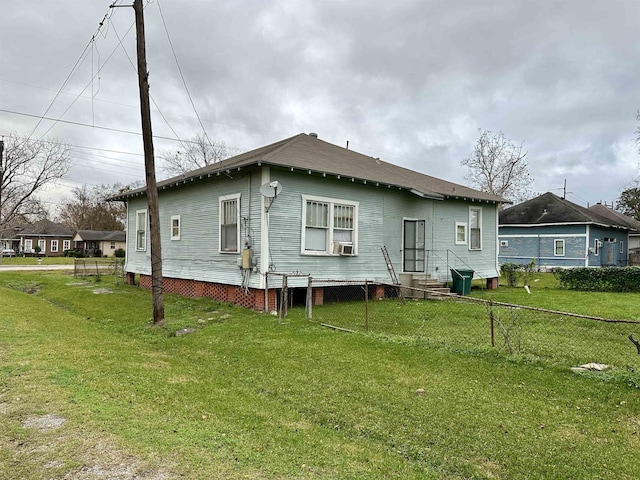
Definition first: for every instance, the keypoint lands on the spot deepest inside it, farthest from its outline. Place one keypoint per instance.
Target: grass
(34, 261)
(246, 396)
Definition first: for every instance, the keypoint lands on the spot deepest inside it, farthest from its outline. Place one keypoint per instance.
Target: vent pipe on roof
(313, 134)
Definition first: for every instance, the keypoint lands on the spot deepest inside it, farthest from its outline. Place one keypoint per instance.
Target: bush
(73, 254)
(119, 253)
(625, 279)
(511, 272)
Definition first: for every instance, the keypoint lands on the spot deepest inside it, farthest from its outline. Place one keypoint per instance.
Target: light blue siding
(381, 211)
(537, 243)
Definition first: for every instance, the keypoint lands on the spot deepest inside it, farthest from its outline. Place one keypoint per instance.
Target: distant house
(305, 205)
(554, 232)
(44, 238)
(97, 243)
(9, 239)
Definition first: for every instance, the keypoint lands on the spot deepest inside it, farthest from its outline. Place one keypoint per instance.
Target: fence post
(493, 341)
(366, 304)
(310, 298)
(284, 297)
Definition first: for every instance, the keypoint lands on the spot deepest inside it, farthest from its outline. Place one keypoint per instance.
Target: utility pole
(150, 169)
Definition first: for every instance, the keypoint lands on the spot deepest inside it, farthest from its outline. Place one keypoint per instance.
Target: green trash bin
(461, 281)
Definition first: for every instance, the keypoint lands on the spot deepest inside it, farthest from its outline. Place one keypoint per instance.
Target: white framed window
(42, 243)
(596, 246)
(54, 246)
(175, 227)
(66, 245)
(229, 216)
(461, 233)
(504, 243)
(558, 248)
(113, 245)
(28, 245)
(141, 230)
(475, 228)
(328, 223)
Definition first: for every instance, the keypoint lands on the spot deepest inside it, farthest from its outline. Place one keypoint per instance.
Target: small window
(54, 246)
(28, 245)
(175, 227)
(328, 224)
(504, 243)
(66, 244)
(475, 228)
(141, 230)
(43, 245)
(461, 233)
(113, 245)
(558, 248)
(229, 215)
(621, 247)
(596, 246)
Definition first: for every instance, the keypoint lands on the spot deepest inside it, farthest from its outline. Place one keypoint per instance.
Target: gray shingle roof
(45, 228)
(308, 153)
(548, 208)
(101, 235)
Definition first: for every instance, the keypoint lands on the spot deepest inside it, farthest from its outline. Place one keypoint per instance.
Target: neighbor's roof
(100, 236)
(610, 213)
(549, 209)
(310, 154)
(45, 228)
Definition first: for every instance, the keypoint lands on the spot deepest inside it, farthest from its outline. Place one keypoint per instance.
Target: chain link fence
(463, 323)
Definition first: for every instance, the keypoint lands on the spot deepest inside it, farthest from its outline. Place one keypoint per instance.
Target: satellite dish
(271, 189)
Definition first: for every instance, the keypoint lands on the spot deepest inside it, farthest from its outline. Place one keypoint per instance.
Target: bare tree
(26, 167)
(87, 209)
(193, 154)
(498, 166)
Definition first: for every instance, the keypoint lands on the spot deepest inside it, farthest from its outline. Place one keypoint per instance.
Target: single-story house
(306, 205)
(633, 243)
(97, 243)
(9, 238)
(45, 238)
(554, 232)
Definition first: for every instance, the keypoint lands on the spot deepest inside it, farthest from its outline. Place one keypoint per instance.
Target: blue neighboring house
(555, 232)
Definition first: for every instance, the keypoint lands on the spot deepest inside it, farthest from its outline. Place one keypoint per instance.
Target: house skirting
(251, 298)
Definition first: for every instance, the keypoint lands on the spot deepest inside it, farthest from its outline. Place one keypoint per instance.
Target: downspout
(586, 249)
(264, 233)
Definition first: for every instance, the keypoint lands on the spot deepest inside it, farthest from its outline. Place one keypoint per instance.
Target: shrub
(119, 253)
(625, 279)
(511, 272)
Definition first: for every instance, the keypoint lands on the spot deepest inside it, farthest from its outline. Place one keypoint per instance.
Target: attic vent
(313, 134)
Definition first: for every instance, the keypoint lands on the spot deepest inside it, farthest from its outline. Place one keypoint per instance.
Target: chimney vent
(313, 134)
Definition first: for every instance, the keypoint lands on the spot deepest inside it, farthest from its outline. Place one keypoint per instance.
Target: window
(558, 248)
(141, 230)
(54, 246)
(596, 246)
(42, 243)
(175, 227)
(327, 223)
(475, 227)
(28, 245)
(621, 247)
(66, 245)
(113, 245)
(461, 233)
(229, 223)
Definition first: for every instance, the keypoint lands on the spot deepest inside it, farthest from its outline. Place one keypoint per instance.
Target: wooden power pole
(150, 169)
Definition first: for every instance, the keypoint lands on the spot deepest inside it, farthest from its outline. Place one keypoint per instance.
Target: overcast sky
(409, 81)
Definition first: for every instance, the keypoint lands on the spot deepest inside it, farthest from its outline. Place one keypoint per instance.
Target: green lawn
(248, 396)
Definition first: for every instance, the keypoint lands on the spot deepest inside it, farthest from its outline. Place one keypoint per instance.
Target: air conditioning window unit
(346, 249)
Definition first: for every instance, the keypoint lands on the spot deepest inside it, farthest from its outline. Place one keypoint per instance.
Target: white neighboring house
(99, 243)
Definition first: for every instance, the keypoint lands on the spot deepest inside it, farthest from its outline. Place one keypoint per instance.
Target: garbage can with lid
(461, 281)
